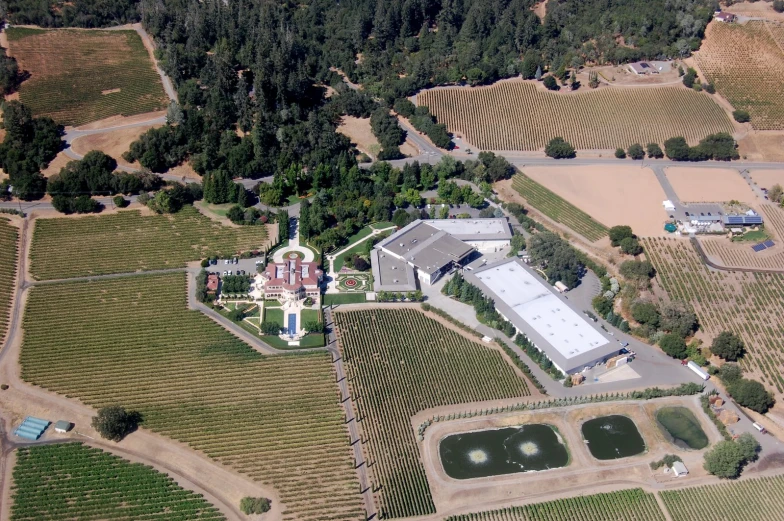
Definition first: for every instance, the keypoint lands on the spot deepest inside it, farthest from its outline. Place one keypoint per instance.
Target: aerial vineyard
(748, 304)
(9, 240)
(624, 505)
(558, 209)
(400, 362)
(514, 115)
(746, 64)
(82, 76)
(127, 242)
(732, 501)
(132, 341)
(74, 481)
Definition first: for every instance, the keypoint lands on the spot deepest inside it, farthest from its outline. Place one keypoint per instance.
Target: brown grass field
(612, 195)
(767, 178)
(520, 115)
(359, 132)
(113, 143)
(78, 76)
(702, 185)
(746, 65)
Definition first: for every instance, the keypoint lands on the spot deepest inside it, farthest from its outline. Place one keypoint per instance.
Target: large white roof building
(544, 316)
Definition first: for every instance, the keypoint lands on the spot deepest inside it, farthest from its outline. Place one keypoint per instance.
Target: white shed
(679, 469)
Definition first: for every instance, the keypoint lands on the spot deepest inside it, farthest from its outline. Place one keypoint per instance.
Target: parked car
(225, 261)
(225, 273)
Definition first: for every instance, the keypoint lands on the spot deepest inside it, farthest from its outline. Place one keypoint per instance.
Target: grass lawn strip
(343, 298)
(74, 481)
(127, 241)
(132, 341)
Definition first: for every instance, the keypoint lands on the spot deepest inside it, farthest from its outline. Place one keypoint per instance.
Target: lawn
(401, 362)
(382, 225)
(308, 341)
(273, 315)
(752, 236)
(71, 480)
(310, 315)
(343, 298)
(9, 239)
(133, 341)
(339, 261)
(80, 76)
(127, 242)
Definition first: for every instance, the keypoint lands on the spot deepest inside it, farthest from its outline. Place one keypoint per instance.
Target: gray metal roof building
(539, 312)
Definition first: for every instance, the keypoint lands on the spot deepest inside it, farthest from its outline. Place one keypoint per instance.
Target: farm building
(679, 469)
(62, 426)
(391, 273)
(751, 218)
(642, 68)
(544, 316)
(32, 428)
(483, 234)
(721, 16)
(428, 250)
(291, 279)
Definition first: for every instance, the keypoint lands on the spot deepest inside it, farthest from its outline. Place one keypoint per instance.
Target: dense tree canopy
(727, 458)
(114, 422)
(728, 346)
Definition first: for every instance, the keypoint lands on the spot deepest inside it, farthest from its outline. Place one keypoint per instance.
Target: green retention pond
(612, 437)
(495, 452)
(682, 427)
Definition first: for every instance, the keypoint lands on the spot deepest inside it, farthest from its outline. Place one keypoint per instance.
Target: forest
(252, 76)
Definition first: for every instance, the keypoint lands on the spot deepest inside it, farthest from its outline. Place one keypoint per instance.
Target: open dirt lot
(113, 143)
(583, 472)
(612, 195)
(755, 9)
(59, 161)
(767, 178)
(703, 185)
(359, 132)
(762, 146)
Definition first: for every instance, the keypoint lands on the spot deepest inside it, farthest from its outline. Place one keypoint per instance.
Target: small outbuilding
(679, 469)
(212, 283)
(62, 426)
(725, 17)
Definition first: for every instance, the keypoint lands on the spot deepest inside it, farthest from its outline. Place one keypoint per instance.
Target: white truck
(697, 369)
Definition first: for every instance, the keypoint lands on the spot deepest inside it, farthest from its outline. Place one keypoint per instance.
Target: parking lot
(240, 267)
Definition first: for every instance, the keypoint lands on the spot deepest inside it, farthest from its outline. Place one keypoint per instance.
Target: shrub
(620, 153)
(655, 151)
(254, 505)
(120, 201)
(635, 152)
(270, 328)
(666, 461)
(751, 394)
(727, 458)
(631, 246)
(778, 6)
(550, 83)
(690, 77)
(114, 422)
(710, 88)
(559, 148)
(730, 373)
(673, 345)
(741, 116)
(619, 233)
(728, 346)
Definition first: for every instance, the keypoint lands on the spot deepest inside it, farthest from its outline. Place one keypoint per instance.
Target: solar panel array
(769, 243)
(743, 219)
(759, 247)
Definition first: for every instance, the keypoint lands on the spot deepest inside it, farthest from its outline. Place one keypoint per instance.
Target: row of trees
(721, 147)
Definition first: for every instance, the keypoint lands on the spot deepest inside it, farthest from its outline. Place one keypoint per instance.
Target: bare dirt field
(582, 472)
(762, 146)
(59, 161)
(184, 170)
(767, 178)
(359, 132)
(612, 195)
(702, 185)
(113, 143)
(755, 9)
